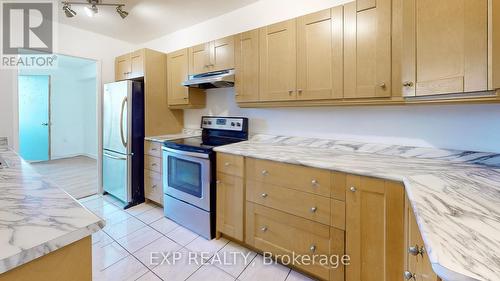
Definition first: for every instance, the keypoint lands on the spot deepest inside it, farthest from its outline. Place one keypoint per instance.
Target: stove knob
(232, 124)
(238, 124)
(209, 122)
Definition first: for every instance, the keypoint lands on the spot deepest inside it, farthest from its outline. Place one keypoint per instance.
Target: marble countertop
(36, 217)
(455, 194)
(186, 133)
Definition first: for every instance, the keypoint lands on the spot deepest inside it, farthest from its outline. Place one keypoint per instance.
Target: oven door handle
(185, 153)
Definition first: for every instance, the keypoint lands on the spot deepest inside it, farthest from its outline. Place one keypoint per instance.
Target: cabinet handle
(312, 248)
(290, 92)
(265, 173)
(227, 164)
(408, 84)
(154, 186)
(382, 85)
(408, 275)
(263, 195)
(314, 209)
(154, 149)
(299, 91)
(153, 165)
(352, 189)
(416, 250)
(217, 181)
(314, 182)
(263, 229)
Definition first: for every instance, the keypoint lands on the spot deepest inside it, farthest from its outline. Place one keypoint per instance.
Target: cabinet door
(278, 61)
(367, 49)
(319, 55)
(418, 263)
(199, 59)
(374, 229)
(137, 64)
(222, 54)
(230, 205)
(445, 46)
(177, 72)
(122, 67)
(246, 52)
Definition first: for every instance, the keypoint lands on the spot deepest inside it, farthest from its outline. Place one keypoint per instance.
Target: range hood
(216, 79)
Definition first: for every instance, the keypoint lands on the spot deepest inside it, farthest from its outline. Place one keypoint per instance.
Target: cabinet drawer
(152, 163)
(152, 148)
(302, 178)
(153, 186)
(280, 233)
(230, 164)
(306, 205)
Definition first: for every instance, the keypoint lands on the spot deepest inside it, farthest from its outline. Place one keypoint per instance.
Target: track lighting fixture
(121, 12)
(91, 8)
(68, 11)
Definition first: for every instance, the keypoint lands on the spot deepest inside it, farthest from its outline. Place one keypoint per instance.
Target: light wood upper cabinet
(320, 55)
(180, 96)
(445, 47)
(222, 54)
(122, 67)
(246, 64)
(137, 63)
(212, 56)
(367, 49)
(130, 65)
(278, 61)
(177, 72)
(199, 58)
(374, 229)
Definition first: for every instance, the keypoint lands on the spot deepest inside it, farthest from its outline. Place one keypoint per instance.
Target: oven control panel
(224, 123)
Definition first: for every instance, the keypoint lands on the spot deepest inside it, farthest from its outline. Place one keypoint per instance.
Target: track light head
(91, 11)
(121, 12)
(68, 11)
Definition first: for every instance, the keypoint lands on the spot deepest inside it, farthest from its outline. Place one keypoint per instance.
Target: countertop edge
(48, 247)
(442, 271)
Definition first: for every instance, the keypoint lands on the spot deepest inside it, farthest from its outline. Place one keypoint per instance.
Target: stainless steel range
(189, 173)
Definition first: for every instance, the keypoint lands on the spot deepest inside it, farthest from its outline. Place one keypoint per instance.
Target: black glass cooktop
(199, 144)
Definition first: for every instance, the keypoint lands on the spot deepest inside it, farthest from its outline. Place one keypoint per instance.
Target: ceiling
(149, 19)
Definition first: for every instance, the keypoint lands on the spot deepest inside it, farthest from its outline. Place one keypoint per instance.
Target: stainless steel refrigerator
(123, 138)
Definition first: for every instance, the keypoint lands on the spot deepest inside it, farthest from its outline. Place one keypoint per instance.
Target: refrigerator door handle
(114, 157)
(124, 102)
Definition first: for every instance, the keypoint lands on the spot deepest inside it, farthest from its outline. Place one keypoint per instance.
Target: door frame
(49, 117)
(15, 104)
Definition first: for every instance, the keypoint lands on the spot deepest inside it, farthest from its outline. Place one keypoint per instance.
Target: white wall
(467, 127)
(73, 107)
(70, 41)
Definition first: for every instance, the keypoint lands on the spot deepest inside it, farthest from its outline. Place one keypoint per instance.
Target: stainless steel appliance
(215, 79)
(123, 137)
(189, 173)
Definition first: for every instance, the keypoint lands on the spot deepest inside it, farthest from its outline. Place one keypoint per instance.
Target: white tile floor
(123, 250)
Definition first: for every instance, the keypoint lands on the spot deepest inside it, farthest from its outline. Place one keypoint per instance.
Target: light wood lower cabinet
(153, 174)
(302, 204)
(230, 205)
(374, 229)
(272, 207)
(71, 262)
(230, 196)
(277, 232)
(418, 266)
